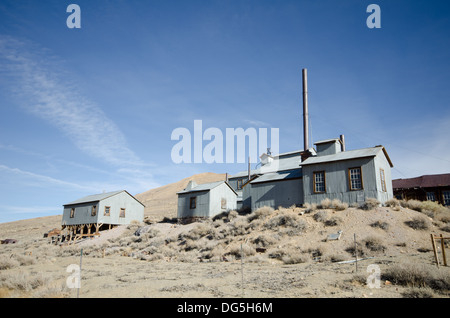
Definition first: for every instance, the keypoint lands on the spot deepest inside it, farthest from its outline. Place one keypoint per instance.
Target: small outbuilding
(205, 200)
(87, 215)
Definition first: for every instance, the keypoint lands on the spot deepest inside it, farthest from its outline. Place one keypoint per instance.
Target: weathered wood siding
(284, 193)
(201, 208)
(82, 214)
(134, 211)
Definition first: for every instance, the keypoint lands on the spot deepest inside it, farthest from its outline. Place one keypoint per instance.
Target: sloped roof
(205, 187)
(347, 155)
(282, 162)
(426, 181)
(276, 176)
(99, 197)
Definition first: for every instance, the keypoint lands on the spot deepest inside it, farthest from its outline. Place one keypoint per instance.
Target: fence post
(434, 250)
(443, 250)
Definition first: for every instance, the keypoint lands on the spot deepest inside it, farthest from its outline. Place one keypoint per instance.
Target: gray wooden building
(87, 215)
(350, 176)
(205, 200)
(276, 181)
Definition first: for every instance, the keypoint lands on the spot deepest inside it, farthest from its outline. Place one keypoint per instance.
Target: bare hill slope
(162, 202)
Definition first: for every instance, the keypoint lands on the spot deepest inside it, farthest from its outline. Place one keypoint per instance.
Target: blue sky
(92, 109)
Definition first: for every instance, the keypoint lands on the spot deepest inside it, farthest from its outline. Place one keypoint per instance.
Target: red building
(424, 188)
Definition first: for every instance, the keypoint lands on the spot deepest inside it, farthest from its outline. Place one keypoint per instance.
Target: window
(193, 202)
(107, 210)
(446, 197)
(383, 180)
(319, 181)
(94, 210)
(239, 184)
(72, 212)
(223, 203)
(122, 213)
(431, 196)
(355, 178)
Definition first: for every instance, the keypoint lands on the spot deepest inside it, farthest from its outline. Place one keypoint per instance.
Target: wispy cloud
(55, 99)
(30, 210)
(39, 180)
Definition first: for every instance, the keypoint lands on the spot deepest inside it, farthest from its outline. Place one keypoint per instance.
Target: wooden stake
(356, 253)
(443, 250)
(435, 250)
(81, 258)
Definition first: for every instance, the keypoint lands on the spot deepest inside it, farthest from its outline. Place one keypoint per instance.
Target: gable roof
(426, 181)
(348, 155)
(99, 197)
(280, 175)
(205, 187)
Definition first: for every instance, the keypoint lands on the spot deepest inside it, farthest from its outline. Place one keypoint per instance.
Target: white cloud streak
(36, 75)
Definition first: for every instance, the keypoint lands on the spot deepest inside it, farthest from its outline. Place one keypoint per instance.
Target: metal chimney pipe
(342, 142)
(305, 110)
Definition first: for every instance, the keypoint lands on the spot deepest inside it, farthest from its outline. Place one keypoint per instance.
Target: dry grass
(369, 204)
(418, 276)
(418, 223)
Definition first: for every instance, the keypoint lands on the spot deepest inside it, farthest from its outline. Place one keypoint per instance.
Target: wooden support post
(435, 250)
(443, 250)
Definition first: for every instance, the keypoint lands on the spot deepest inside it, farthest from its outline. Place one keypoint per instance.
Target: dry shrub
(414, 275)
(320, 216)
(381, 225)
(239, 250)
(261, 213)
(418, 292)
(325, 204)
(294, 257)
(338, 205)
(239, 226)
(392, 203)
(264, 240)
(23, 281)
(415, 205)
(374, 244)
(369, 204)
(418, 223)
(7, 263)
(292, 223)
(310, 207)
(333, 221)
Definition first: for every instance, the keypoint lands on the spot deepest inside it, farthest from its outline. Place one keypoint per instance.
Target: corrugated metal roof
(278, 164)
(205, 187)
(426, 181)
(275, 176)
(347, 155)
(94, 197)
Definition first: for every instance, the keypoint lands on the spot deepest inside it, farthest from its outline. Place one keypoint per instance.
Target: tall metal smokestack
(305, 110)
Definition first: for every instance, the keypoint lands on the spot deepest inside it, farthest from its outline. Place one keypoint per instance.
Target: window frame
(122, 213)
(446, 198)
(193, 200)
(382, 179)
(94, 210)
(324, 181)
(350, 185)
(109, 211)
(72, 213)
(223, 203)
(431, 196)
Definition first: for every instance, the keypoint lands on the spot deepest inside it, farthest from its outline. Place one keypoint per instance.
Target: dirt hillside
(162, 202)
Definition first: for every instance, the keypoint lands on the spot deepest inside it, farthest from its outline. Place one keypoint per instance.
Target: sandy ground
(122, 274)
